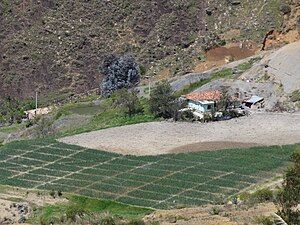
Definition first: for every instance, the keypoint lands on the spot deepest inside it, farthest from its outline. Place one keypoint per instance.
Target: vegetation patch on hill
(56, 46)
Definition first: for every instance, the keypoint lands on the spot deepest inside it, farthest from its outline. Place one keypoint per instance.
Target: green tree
(289, 197)
(163, 103)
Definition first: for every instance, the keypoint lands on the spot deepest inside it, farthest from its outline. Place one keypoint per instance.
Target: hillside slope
(56, 46)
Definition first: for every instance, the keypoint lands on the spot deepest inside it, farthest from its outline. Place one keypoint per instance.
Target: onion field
(162, 181)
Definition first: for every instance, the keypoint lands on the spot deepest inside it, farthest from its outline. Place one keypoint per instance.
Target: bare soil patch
(166, 137)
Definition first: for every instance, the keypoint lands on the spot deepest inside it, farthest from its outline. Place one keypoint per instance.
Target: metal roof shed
(253, 100)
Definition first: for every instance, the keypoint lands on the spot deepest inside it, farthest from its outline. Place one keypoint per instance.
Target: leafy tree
(128, 101)
(12, 109)
(120, 72)
(289, 197)
(163, 103)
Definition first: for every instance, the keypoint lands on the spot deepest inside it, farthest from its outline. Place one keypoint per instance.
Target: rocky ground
(56, 47)
(166, 137)
(16, 205)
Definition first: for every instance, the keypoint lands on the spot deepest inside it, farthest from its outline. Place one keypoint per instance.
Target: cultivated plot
(162, 181)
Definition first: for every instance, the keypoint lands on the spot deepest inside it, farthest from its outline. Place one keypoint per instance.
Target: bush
(215, 211)
(120, 72)
(285, 8)
(44, 127)
(263, 195)
(74, 211)
(52, 194)
(187, 115)
(128, 101)
(295, 96)
(136, 222)
(107, 220)
(265, 220)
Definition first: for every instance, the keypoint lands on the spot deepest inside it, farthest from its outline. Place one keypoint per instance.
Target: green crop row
(63, 167)
(48, 172)
(87, 177)
(190, 177)
(55, 151)
(20, 183)
(108, 188)
(116, 167)
(100, 172)
(151, 172)
(35, 177)
(124, 183)
(91, 157)
(70, 182)
(27, 162)
(42, 157)
(135, 177)
(155, 196)
(58, 187)
(171, 190)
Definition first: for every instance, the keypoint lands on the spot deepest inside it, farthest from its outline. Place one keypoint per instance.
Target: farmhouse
(203, 101)
(31, 114)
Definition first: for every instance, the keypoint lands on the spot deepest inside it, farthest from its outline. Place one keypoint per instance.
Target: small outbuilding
(254, 102)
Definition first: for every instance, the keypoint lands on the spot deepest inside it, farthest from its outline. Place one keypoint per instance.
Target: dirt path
(164, 137)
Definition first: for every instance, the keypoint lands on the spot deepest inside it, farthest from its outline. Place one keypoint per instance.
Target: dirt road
(166, 137)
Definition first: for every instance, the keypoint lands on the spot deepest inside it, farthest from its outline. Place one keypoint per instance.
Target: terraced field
(162, 181)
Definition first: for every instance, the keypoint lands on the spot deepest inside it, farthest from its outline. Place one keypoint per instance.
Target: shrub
(202, 58)
(52, 194)
(263, 195)
(136, 222)
(264, 220)
(44, 127)
(128, 101)
(59, 193)
(215, 211)
(285, 8)
(107, 220)
(187, 115)
(120, 72)
(73, 211)
(295, 96)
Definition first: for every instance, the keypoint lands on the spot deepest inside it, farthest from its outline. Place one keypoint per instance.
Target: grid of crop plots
(162, 181)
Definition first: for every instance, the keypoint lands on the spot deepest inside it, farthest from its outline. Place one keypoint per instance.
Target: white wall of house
(200, 106)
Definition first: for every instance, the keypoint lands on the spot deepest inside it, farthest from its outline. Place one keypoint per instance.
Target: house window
(209, 107)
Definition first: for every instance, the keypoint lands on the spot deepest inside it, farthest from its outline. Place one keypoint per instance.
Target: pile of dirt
(220, 56)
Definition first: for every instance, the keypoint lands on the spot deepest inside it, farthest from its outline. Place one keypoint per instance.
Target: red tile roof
(205, 96)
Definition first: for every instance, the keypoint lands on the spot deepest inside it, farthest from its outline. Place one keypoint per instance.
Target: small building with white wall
(203, 101)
